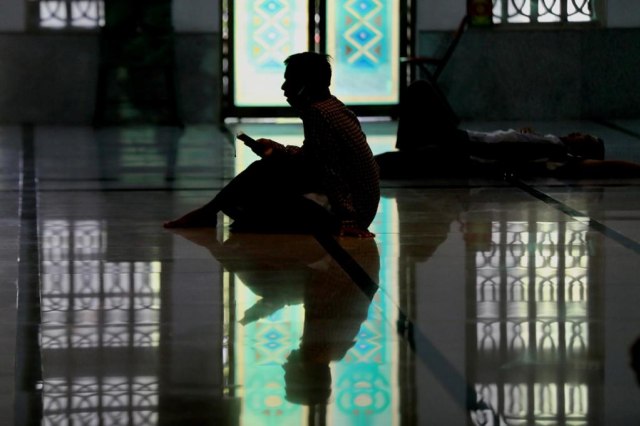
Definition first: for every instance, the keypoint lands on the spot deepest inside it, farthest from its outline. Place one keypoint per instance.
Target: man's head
(307, 78)
(584, 146)
(306, 382)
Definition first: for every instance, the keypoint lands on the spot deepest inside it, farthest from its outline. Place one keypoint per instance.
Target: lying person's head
(583, 145)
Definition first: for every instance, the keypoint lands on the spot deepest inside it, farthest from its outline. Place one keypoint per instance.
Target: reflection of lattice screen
(532, 303)
(59, 14)
(94, 311)
(105, 401)
(106, 304)
(543, 11)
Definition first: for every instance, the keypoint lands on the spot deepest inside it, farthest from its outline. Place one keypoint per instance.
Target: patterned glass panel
(265, 33)
(363, 39)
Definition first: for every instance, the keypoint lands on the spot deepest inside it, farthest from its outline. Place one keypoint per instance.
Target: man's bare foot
(355, 231)
(199, 218)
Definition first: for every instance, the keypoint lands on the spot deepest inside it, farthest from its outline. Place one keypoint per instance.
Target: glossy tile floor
(479, 301)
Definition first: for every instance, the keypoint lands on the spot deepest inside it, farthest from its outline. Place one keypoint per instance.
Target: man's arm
(266, 148)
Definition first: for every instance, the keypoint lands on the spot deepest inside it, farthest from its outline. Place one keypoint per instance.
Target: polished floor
(479, 302)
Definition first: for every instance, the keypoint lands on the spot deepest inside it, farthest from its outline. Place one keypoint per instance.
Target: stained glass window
(265, 33)
(361, 36)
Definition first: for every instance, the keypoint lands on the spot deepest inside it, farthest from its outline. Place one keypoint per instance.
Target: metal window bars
(66, 14)
(544, 11)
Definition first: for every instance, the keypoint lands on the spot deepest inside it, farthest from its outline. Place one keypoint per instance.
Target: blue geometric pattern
(364, 32)
(265, 33)
(362, 37)
(270, 32)
(272, 342)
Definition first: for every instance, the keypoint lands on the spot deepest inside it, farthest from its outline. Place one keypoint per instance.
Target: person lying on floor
(331, 183)
(430, 143)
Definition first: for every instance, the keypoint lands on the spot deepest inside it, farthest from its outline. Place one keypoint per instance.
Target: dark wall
(553, 74)
(51, 78)
(493, 75)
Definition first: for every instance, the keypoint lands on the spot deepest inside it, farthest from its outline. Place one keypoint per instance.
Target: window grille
(66, 14)
(545, 11)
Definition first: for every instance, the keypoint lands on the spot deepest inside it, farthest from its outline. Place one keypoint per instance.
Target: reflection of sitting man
(335, 308)
(430, 143)
(292, 269)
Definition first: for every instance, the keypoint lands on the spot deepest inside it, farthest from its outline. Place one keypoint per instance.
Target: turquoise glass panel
(262, 350)
(265, 33)
(363, 39)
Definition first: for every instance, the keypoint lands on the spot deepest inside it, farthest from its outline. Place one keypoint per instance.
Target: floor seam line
(432, 357)
(570, 211)
(619, 128)
(28, 361)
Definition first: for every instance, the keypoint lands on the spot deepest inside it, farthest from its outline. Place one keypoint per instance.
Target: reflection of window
(66, 14)
(94, 314)
(109, 304)
(110, 400)
(532, 291)
(545, 11)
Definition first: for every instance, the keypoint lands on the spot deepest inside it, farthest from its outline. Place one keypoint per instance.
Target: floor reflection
(309, 344)
(247, 329)
(123, 153)
(536, 329)
(100, 329)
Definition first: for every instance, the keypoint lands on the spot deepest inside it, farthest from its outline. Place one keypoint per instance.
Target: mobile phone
(248, 140)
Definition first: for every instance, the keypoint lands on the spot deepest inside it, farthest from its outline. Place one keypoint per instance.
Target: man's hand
(263, 147)
(355, 231)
